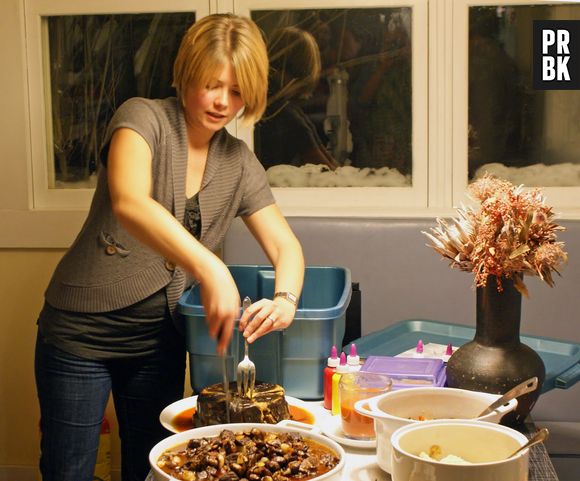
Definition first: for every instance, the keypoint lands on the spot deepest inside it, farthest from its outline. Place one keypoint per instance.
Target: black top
(192, 217)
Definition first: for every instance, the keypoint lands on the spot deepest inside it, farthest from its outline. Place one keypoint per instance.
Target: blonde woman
(172, 180)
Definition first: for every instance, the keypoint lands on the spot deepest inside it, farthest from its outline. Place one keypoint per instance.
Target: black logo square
(556, 52)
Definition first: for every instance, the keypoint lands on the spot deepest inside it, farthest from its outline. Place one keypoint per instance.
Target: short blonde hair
(214, 40)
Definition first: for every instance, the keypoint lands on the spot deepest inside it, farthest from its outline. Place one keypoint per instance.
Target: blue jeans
(73, 393)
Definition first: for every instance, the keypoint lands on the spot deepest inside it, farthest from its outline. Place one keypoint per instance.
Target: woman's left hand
(264, 316)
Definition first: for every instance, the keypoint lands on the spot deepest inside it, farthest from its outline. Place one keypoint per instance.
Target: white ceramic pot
(177, 441)
(486, 445)
(400, 408)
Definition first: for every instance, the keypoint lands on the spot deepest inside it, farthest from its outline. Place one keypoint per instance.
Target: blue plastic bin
(295, 357)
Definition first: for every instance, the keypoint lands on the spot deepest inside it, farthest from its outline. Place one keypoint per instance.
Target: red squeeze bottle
(328, 372)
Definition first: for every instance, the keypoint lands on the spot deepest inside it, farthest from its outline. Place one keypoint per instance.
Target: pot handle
(298, 425)
(361, 407)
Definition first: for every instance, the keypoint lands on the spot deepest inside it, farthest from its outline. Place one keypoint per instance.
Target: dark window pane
(527, 136)
(351, 125)
(96, 63)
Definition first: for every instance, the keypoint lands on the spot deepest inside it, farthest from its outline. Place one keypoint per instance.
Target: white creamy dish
(435, 454)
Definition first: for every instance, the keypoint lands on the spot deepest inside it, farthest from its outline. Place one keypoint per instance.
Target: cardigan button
(110, 250)
(170, 266)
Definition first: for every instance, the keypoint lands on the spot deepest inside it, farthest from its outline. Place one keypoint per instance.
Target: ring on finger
(271, 319)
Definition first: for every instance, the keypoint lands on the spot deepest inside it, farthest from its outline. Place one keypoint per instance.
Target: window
(501, 124)
(357, 113)
(527, 136)
(84, 60)
(95, 63)
(445, 111)
(353, 140)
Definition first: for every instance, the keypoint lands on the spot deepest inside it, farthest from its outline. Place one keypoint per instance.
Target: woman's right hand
(221, 301)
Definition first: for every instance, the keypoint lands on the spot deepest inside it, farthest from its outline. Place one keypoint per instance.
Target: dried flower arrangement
(511, 234)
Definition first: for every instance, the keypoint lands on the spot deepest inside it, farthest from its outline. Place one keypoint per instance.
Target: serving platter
(177, 416)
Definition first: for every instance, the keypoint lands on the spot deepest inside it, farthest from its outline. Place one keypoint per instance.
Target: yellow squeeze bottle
(340, 370)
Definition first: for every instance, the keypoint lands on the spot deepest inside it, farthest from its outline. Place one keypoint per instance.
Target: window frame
(442, 146)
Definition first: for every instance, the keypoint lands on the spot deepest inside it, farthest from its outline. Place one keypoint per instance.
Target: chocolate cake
(268, 405)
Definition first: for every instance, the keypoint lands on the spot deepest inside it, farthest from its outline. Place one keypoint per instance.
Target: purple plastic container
(407, 372)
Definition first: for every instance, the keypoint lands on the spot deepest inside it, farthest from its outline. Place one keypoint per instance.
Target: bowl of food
(247, 450)
(456, 450)
(396, 409)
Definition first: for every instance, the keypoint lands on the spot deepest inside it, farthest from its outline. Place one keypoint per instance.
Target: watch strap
(288, 296)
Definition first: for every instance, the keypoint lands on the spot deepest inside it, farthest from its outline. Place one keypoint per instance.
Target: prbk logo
(556, 54)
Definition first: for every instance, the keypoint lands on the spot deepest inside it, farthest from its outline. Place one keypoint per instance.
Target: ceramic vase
(496, 360)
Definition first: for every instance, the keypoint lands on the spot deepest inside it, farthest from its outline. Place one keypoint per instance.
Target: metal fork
(246, 372)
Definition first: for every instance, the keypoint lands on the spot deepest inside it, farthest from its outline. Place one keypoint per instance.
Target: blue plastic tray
(562, 359)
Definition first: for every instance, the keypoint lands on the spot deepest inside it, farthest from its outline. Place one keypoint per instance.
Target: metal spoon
(522, 388)
(538, 437)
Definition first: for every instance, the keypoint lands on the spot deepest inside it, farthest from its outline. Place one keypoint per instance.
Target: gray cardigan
(106, 268)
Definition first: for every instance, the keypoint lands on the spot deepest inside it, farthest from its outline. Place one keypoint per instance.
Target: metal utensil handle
(247, 302)
(538, 437)
(522, 388)
(226, 387)
(251, 377)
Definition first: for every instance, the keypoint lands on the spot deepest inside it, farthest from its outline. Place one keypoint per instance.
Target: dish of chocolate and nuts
(254, 455)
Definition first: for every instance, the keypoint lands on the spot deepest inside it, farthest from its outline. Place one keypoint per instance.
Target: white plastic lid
(333, 362)
(353, 359)
(342, 366)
